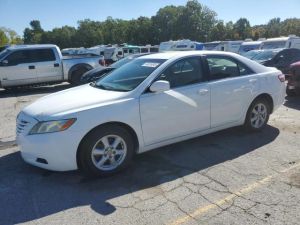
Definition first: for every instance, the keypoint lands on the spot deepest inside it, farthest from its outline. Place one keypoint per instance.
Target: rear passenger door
(18, 68)
(232, 85)
(48, 65)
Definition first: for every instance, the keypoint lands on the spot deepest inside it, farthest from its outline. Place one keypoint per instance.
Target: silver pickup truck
(33, 64)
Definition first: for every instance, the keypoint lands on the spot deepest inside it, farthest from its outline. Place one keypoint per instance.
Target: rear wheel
(106, 150)
(258, 115)
(76, 76)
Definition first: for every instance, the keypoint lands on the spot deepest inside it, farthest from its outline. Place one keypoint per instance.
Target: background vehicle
(187, 45)
(99, 72)
(279, 58)
(211, 46)
(293, 85)
(167, 46)
(283, 42)
(229, 46)
(112, 54)
(152, 101)
(71, 51)
(249, 46)
(33, 64)
(180, 45)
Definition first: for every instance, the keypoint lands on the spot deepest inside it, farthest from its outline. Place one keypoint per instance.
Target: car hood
(71, 101)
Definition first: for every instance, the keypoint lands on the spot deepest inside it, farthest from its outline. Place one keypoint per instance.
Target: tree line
(193, 21)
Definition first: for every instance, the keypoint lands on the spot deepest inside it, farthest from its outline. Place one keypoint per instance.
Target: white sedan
(153, 101)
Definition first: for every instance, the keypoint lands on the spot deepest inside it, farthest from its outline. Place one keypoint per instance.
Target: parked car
(152, 101)
(293, 85)
(99, 72)
(33, 64)
(279, 58)
(249, 46)
(2, 48)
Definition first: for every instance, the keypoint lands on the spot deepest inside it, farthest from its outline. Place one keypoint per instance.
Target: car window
(184, 72)
(19, 57)
(144, 50)
(43, 55)
(223, 67)
(30, 56)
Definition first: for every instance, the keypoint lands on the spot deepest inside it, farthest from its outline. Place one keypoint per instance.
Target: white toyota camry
(153, 101)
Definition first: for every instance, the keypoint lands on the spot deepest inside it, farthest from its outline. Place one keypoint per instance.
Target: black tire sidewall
(76, 76)
(86, 164)
(248, 124)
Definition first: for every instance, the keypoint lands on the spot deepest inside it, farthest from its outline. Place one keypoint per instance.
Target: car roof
(178, 54)
(15, 47)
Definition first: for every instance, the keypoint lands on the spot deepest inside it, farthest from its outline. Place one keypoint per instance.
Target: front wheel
(106, 150)
(258, 115)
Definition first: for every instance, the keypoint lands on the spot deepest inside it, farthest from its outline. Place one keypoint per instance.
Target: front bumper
(52, 151)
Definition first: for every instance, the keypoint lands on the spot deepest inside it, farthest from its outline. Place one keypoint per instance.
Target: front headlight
(52, 126)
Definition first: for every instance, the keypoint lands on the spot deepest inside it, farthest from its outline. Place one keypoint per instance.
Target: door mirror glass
(160, 86)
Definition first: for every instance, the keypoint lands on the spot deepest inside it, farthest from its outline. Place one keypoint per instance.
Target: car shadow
(292, 102)
(25, 91)
(29, 193)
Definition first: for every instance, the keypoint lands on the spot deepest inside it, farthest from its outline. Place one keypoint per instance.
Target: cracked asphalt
(229, 177)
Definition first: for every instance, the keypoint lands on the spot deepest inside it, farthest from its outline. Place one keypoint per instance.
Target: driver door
(19, 69)
(182, 110)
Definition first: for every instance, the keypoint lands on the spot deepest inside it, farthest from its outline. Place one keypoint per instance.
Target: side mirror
(160, 86)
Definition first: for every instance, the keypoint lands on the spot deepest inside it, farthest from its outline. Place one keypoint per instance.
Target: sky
(16, 14)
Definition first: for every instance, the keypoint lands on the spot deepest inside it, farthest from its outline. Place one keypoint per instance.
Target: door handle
(31, 67)
(252, 80)
(56, 64)
(203, 91)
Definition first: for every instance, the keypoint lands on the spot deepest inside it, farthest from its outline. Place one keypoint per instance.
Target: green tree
(33, 34)
(290, 26)
(273, 28)
(3, 38)
(242, 29)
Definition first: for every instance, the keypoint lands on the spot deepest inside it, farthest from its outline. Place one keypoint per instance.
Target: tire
(76, 76)
(97, 151)
(259, 109)
(290, 93)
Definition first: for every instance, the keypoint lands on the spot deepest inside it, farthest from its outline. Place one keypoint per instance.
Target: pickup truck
(34, 64)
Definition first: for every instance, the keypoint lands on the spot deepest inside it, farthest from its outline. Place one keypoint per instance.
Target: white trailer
(291, 41)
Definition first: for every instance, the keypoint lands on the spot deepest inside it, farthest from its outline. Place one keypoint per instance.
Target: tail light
(281, 77)
(102, 62)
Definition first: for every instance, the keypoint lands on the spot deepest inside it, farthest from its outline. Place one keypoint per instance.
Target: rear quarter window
(221, 67)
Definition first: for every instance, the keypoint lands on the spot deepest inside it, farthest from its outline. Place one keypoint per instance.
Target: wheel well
(120, 124)
(266, 97)
(78, 66)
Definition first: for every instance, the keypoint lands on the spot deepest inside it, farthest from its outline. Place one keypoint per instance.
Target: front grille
(24, 123)
(21, 126)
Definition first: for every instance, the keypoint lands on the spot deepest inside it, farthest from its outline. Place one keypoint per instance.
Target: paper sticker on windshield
(149, 64)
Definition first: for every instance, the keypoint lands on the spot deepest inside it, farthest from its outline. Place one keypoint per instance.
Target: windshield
(274, 44)
(129, 76)
(264, 55)
(251, 54)
(122, 62)
(4, 53)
